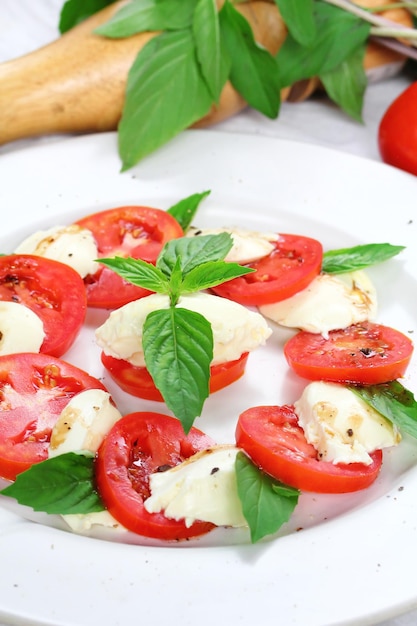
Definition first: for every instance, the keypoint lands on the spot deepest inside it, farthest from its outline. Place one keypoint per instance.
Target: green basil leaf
(298, 16)
(208, 46)
(175, 282)
(74, 12)
(358, 257)
(165, 94)
(194, 251)
(338, 34)
(139, 273)
(394, 402)
(254, 71)
(148, 15)
(60, 485)
(211, 274)
(346, 83)
(266, 503)
(185, 210)
(178, 350)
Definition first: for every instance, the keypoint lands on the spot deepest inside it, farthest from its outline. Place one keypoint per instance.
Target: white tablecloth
(26, 25)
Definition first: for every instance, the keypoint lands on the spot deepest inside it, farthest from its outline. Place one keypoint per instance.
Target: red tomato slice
(136, 446)
(290, 268)
(53, 290)
(138, 382)
(397, 132)
(135, 231)
(365, 353)
(34, 389)
(272, 438)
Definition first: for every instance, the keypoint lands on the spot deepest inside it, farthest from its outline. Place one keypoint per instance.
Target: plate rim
(190, 140)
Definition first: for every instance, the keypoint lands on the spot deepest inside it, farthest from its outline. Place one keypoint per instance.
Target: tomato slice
(365, 353)
(397, 131)
(272, 438)
(53, 290)
(34, 389)
(290, 267)
(135, 231)
(138, 445)
(138, 382)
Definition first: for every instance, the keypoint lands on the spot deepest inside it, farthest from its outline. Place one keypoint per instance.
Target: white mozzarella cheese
(248, 246)
(330, 302)
(201, 488)
(341, 426)
(72, 245)
(235, 329)
(81, 523)
(83, 423)
(21, 330)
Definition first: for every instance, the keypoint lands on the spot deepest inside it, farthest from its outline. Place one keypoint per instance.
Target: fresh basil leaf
(175, 282)
(139, 273)
(208, 46)
(394, 402)
(358, 257)
(298, 16)
(60, 485)
(185, 210)
(253, 71)
(346, 83)
(75, 11)
(178, 350)
(194, 251)
(165, 94)
(266, 503)
(338, 34)
(211, 274)
(148, 15)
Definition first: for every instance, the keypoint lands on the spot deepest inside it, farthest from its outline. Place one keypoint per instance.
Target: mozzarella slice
(248, 246)
(235, 329)
(341, 426)
(21, 330)
(83, 423)
(201, 488)
(330, 302)
(72, 245)
(81, 523)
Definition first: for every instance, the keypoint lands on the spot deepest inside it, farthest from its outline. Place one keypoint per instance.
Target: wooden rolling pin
(76, 84)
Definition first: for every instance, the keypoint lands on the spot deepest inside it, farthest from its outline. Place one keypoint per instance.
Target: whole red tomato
(397, 134)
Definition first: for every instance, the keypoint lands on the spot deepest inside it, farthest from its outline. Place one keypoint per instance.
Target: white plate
(354, 559)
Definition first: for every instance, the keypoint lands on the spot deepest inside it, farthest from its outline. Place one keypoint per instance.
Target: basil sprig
(185, 210)
(358, 257)
(393, 401)
(266, 503)
(179, 74)
(178, 343)
(60, 485)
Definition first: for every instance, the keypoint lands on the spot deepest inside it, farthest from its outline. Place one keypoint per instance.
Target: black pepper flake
(214, 470)
(164, 468)
(367, 352)
(349, 432)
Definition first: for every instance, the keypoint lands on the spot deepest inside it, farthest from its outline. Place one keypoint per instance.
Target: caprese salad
(186, 308)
